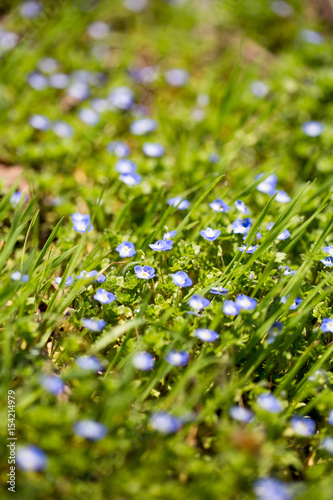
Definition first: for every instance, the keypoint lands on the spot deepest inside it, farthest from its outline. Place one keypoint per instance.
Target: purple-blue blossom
(143, 126)
(91, 274)
(241, 414)
(230, 308)
(242, 226)
(144, 272)
(210, 234)
(94, 325)
(69, 281)
(269, 488)
(303, 426)
(165, 423)
(327, 325)
(30, 458)
(143, 361)
(206, 335)
(52, 384)
(251, 249)
(247, 303)
(178, 202)
(153, 149)
(118, 148)
(126, 166)
(294, 305)
(89, 429)
(121, 98)
(219, 206)
(103, 296)
(328, 261)
(161, 245)
(81, 222)
(241, 207)
(169, 234)
(126, 249)
(313, 128)
(130, 179)
(268, 185)
(177, 358)
(270, 403)
(198, 303)
(89, 363)
(181, 279)
(219, 290)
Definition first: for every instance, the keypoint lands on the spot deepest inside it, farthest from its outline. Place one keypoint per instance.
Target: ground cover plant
(166, 249)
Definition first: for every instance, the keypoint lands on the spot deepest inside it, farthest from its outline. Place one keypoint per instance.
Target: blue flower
(177, 358)
(177, 77)
(88, 275)
(327, 325)
(178, 202)
(153, 149)
(268, 185)
(161, 245)
(52, 384)
(126, 166)
(121, 98)
(17, 276)
(328, 250)
(30, 9)
(259, 89)
(284, 235)
(103, 296)
(126, 249)
(181, 279)
(213, 157)
(303, 426)
(62, 129)
(30, 458)
(39, 122)
(313, 128)
(247, 303)
(269, 403)
(230, 308)
(94, 325)
(219, 290)
(69, 281)
(143, 126)
(143, 361)
(118, 148)
(130, 179)
(168, 235)
(294, 305)
(16, 197)
(79, 91)
(274, 332)
(81, 222)
(241, 414)
(206, 335)
(269, 488)
(327, 444)
(311, 36)
(219, 206)
(210, 234)
(330, 417)
(58, 80)
(165, 423)
(241, 207)
(145, 272)
(89, 429)
(328, 261)
(197, 302)
(288, 271)
(242, 226)
(251, 249)
(282, 196)
(89, 116)
(89, 363)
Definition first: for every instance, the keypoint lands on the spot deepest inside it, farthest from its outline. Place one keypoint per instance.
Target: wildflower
(284, 235)
(81, 222)
(121, 98)
(79, 91)
(259, 89)
(126, 249)
(98, 30)
(282, 8)
(58, 80)
(135, 5)
(89, 116)
(177, 77)
(118, 148)
(153, 150)
(251, 249)
(89, 363)
(89, 429)
(247, 303)
(165, 423)
(242, 226)
(303, 426)
(30, 9)
(103, 296)
(143, 361)
(178, 202)
(145, 272)
(52, 384)
(219, 206)
(177, 358)
(327, 325)
(320, 377)
(311, 36)
(39, 122)
(328, 261)
(161, 245)
(313, 128)
(87, 275)
(230, 308)
(69, 280)
(269, 403)
(268, 185)
(30, 458)
(94, 325)
(37, 81)
(181, 279)
(269, 488)
(126, 166)
(48, 65)
(210, 234)
(219, 290)
(327, 444)
(213, 157)
(62, 129)
(206, 335)
(288, 271)
(294, 305)
(282, 196)
(274, 332)
(130, 179)
(330, 418)
(241, 414)
(143, 126)
(197, 302)
(17, 276)
(241, 207)
(328, 250)
(168, 235)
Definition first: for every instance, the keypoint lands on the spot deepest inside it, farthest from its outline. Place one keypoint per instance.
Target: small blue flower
(197, 302)
(145, 272)
(118, 148)
(282, 196)
(251, 249)
(269, 403)
(16, 197)
(269, 488)
(89, 116)
(230, 308)
(58, 80)
(177, 77)
(126, 249)
(303, 426)
(153, 149)
(178, 202)
(311, 36)
(81, 222)
(130, 179)
(143, 361)
(69, 281)
(327, 444)
(327, 325)
(30, 458)
(247, 303)
(89, 363)
(294, 305)
(268, 185)
(241, 414)
(121, 98)
(103, 296)
(30, 9)
(206, 335)
(89, 429)
(39, 122)
(62, 129)
(126, 166)
(177, 358)
(241, 207)
(88, 275)
(181, 279)
(269, 226)
(242, 226)
(94, 325)
(161, 245)
(313, 128)
(219, 290)
(165, 423)
(79, 91)
(330, 417)
(52, 384)
(259, 89)
(143, 126)
(17, 276)
(284, 235)
(213, 157)
(168, 235)
(210, 234)
(219, 206)
(328, 250)
(288, 272)
(328, 261)
(274, 332)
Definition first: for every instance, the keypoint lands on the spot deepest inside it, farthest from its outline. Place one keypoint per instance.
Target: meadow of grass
(247, 414)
